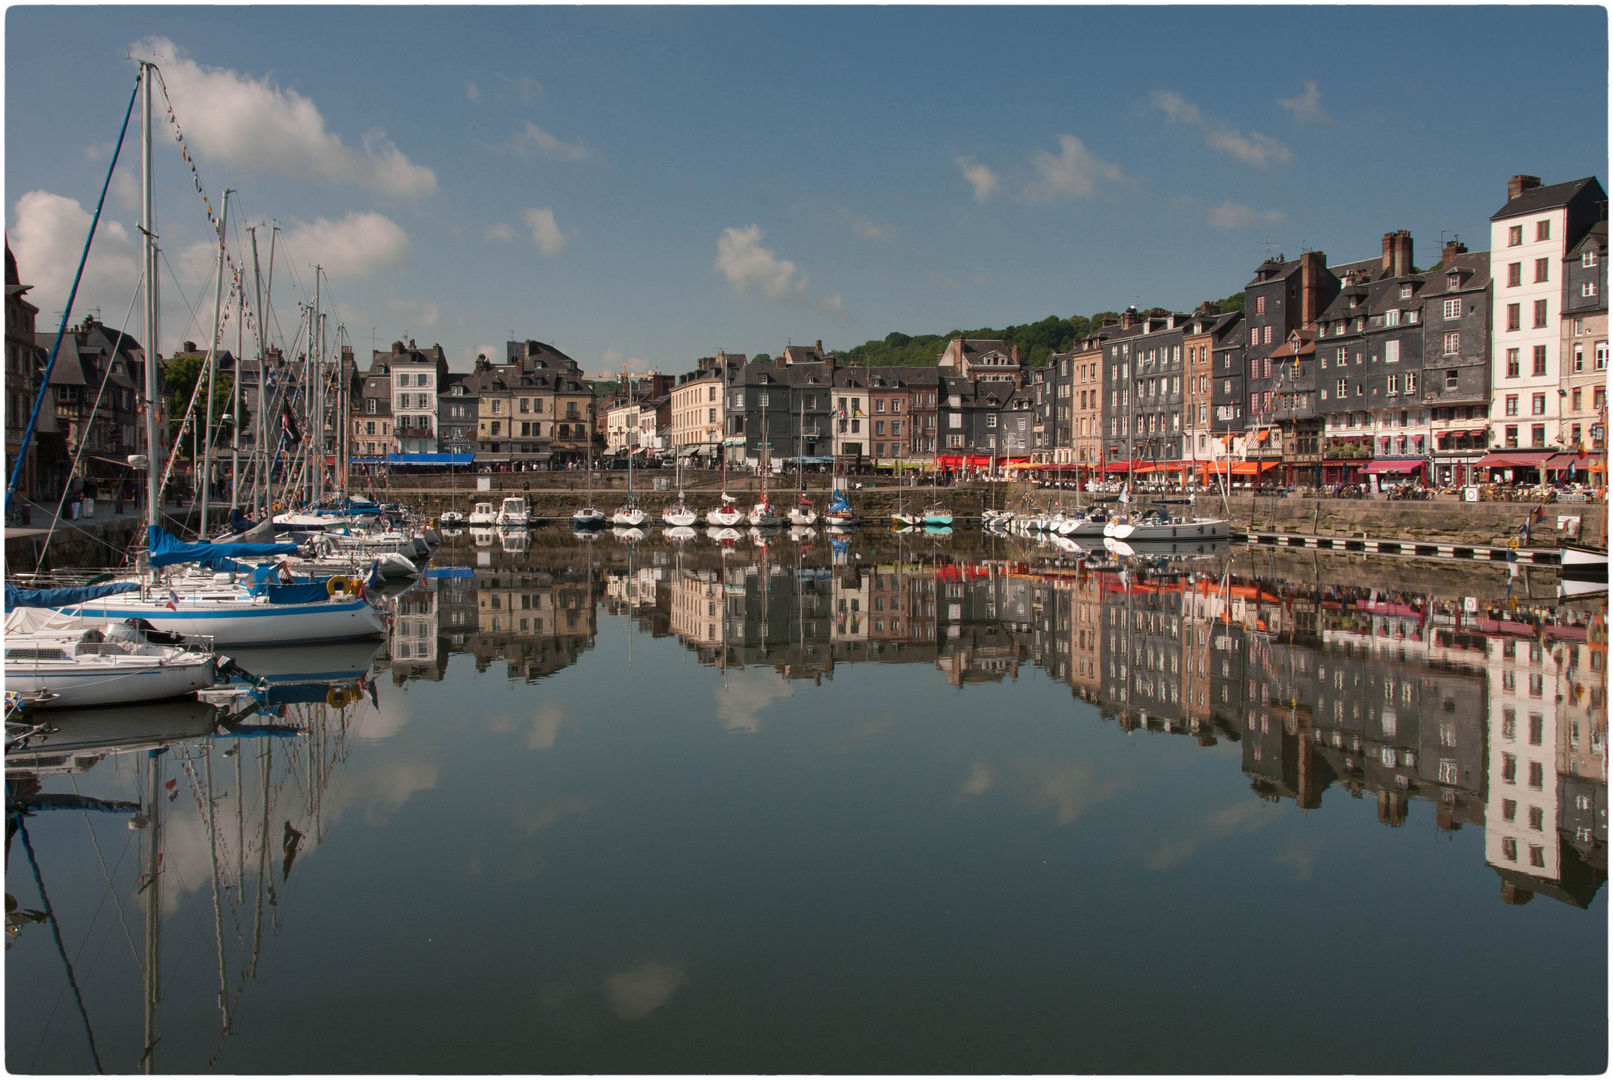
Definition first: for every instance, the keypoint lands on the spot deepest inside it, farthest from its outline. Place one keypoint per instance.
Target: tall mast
(235, 400)
(149, 244)
(260, 435)
(316, 397)
(212, 362)
(153, 900)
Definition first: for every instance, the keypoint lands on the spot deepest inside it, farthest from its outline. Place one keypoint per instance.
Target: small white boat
(589, 517)
(628, 535)
(679, 515)
(483, 514)
(679, 534)
(629, 515)
(803, 512)
(61, 661)
(762, 515)
(840, 512)
(725, 515)
(451, 518)
(903, 520)
(512, 513)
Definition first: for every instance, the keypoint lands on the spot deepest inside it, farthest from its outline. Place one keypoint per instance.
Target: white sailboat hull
(245, 620)
(79, 682)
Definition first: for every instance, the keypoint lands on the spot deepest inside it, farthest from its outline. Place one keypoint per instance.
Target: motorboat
(483, 514)
(451, 518)
(512, 513)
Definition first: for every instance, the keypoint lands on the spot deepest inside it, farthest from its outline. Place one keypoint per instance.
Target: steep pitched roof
(1547, 198)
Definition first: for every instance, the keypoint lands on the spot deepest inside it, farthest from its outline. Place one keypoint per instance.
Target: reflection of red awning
(1396, 466)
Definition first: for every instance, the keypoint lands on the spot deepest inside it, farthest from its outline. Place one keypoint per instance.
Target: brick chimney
(1313, 278)
(1453, 248)
(820, 347)
(1520, 184)
(1013, 352)
(1386, 269)
(1128, 318)
(1209, 307)
(1403, 263)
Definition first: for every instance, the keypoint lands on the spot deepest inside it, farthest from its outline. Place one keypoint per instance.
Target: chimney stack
(1312, 273)
(1403, 263)
(1128, 318)
(1013, 351)
(1453, 248)
(1387, 267)
(1520, 184)
(820, 347)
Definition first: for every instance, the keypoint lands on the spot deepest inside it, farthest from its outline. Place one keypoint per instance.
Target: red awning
(1514, 459)
(1561, 462)
(1125, 466)
(1396, 466)
(1250, 468)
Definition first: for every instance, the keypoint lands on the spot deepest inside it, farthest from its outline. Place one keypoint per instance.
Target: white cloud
(1223, 823)
(529, 138)
(635, 994)
(860, 225)
(415, 312)
(612, 359)
(473, 93)
(745, 262)
(255, 124)
(545, 233)
(1307, 107)
(545, 727)
(740, 703)
(47, 235)
(359, 245)
(194, 263)
(1256, 149)
(979, 175)
(381, 791)
(1073, 174)
(500, 232)
(1066, 790)
(1230, 215)
(525, 87)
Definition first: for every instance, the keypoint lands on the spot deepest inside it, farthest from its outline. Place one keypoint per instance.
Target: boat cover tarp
(64, 801)
(66, 597)
(300, 593)
(272, 731)
(167, 549)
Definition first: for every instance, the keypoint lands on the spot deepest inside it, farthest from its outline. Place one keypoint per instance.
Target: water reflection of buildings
(1394, 699)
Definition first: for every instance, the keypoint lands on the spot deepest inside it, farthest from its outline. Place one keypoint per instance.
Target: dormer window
(1355, 301)
(1405, 291)
(1453, 281)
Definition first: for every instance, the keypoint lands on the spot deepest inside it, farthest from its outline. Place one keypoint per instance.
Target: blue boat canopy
(59, 598)
(430, 459)
(167, 549)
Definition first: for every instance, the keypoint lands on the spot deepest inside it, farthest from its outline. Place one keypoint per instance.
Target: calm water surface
(934, 807)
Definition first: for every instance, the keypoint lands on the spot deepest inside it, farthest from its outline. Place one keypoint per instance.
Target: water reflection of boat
(481, 537)
(338, 662)
(679, 534)
(71, 735)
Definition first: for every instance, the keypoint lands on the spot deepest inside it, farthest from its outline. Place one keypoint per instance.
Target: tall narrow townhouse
(1207, 326)
(1584, 342)
(1456, 361)
(1284, 297)
(1530, 237)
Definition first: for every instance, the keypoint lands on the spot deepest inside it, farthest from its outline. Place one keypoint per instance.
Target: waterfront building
(1086, 383)
(416, 374)
(457, 409)
(25, 361)
(1530, 237)
(1584, 343)
(699, 404)
(372, 414)
(1456, 361)
(988, 359)
(1281, 308)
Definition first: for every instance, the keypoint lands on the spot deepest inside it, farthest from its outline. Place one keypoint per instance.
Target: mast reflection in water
(870, 806)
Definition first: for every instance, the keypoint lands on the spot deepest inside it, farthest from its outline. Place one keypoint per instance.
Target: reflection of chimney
(1511, 894)
(1520, 184)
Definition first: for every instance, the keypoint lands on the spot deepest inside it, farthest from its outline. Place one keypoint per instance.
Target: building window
(1515, 236)
(1514, 274)
(1537, 435)
(1588, 259)
(1537, 405)
(1260, 305)
(1512, 405)
(1514, 316)
(1540, 314)
(1405, 291)
(1578, 398)
(1542, 230)
(1451, 376)
(1541, 271)
(1601, 356)
(1588, 289)
(1265, 335)
(1453, 343)
(1512, 363)
(1512, 438)
(1394, 385)
(1453, 309)
(1411, 382)
(1391, 352)
(1539, 359)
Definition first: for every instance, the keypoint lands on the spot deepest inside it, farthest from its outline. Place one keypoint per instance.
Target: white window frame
(1453, 343)
(1453, 308)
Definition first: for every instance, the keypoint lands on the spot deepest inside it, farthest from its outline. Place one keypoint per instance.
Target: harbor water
(925, 803)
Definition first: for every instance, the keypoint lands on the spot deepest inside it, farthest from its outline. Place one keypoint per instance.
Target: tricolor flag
(173, 601)
(173, 789)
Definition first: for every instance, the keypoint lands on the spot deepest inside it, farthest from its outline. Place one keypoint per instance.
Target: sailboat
(629, 515)
(264, 612)
(840, 512)
(588, 516)
(58, 661)
(803, 512)
(679, 515)
(725, 515)
(936, 514)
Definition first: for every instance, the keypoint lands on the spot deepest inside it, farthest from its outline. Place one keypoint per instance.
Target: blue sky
(649, 185)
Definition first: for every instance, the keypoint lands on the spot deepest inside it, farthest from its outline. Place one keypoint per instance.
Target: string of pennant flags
(249, 314)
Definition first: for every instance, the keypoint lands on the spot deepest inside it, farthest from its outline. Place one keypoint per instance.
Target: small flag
(173, 601)
(173, 789)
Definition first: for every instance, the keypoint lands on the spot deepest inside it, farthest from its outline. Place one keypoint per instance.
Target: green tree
(179, 377)
(1233, 302)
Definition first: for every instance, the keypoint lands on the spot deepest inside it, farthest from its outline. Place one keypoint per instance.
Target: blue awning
(430, 459)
